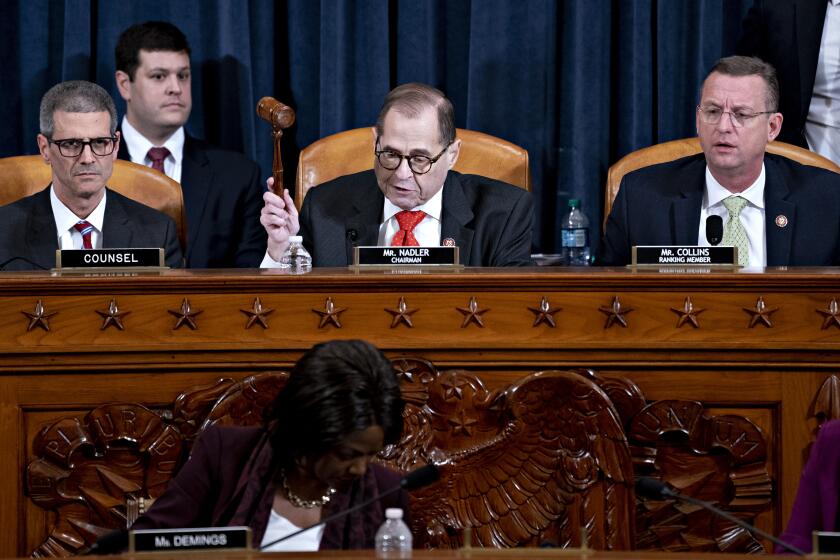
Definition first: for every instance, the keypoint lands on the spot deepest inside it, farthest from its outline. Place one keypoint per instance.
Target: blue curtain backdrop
(579, 83)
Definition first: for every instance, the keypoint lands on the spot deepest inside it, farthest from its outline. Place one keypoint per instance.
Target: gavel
(280, 117)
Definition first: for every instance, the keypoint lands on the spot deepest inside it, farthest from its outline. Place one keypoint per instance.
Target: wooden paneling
(769, 375)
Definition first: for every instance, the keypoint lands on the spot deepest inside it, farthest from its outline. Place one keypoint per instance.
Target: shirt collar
(834, 2)
(139, 146)
(65, 219)
(432, 207)
(715, 192)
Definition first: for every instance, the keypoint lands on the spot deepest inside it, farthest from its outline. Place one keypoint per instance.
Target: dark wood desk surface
(777, 371)
(474, 553)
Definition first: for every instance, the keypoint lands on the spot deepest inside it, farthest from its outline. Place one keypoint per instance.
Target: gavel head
(277, 114)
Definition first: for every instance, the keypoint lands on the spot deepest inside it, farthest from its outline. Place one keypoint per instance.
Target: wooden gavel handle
(280, 117)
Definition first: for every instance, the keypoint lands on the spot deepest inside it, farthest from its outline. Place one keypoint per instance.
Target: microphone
(658, 490)
(418, 478)
(412, 481)
(352, 234)
(714, 229)
(114, 542)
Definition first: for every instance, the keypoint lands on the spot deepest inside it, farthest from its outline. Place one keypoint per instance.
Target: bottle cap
(574, 203)
(393, 513)
(295, 239)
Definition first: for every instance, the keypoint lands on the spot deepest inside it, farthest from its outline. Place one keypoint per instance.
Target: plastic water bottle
(575, 236)
(296, 258)
(393, 539)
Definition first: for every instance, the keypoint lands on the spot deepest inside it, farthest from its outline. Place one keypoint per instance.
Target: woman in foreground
(815, 507)
(340, 406)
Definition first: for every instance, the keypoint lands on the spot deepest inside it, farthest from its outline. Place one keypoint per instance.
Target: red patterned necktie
(157, 155)
(83, 227)
(408, 220)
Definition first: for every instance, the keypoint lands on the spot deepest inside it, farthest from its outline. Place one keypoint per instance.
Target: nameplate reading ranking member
(684, 255)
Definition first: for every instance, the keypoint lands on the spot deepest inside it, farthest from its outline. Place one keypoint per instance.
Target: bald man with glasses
(775, 210)
(411, 197)
(79, 142)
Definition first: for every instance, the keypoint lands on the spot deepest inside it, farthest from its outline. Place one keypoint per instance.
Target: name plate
(203, 538)
(684, 255)
(826, 542)
(108, 258)
(390, 257)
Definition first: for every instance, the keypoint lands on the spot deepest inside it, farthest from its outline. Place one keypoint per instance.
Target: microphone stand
(729, 517)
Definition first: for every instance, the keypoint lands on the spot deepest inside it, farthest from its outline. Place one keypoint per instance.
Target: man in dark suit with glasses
(411, 197)
(79, 142)
(776, 211)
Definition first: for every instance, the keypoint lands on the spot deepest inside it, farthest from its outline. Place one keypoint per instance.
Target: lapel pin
(781, 220)
(448, 242)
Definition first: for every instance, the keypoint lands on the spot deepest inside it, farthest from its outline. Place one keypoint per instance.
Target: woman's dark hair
(334, 389)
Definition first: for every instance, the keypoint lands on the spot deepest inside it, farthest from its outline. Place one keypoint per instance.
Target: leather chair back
(25, 175)
(684, 147)
(352, 151)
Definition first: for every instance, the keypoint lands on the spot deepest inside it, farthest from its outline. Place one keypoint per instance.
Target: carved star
(113, 316)
(832, 314)
(402, 314)
(186, 316)
(688, 314)
(615, 313)
(39, 317)
(472, 314)
(257, 314)
(412, 372)
(761, 313)
(452, 390)
(461, 424)
(330, 314)
(544, 313)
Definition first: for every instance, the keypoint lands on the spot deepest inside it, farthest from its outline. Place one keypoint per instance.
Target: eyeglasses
(72, 147)
(712, 115)
(417, 163)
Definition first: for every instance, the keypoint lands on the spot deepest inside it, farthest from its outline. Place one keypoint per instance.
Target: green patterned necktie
(734, 233)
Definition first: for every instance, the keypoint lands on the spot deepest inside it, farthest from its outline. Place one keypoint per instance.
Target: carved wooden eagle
(538, 462)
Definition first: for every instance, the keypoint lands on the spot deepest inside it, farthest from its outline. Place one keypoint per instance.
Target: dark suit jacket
(27, 229)
(229, 481)
(787, 34)
(222, 202)
(489, 220)
(815, 506)
(660, 205)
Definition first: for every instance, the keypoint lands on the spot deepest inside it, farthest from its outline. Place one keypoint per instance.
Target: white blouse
(279, 526)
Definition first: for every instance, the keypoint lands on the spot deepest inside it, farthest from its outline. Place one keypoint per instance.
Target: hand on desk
(279, 217)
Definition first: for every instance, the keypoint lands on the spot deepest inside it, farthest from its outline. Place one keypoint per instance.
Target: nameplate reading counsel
(109, 258)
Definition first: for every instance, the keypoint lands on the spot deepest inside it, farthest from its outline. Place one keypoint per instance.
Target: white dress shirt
(752, 216)
(138, 147)
(427, 232)
(822, 126)
(65, 220)
(278, 526)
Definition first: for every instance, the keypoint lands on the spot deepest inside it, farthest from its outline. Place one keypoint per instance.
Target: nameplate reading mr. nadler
(684, 255)
(405, 256)
(203, 538)
(108, 258)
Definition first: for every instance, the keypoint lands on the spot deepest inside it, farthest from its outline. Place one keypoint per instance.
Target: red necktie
(408, 220)
(157, 155)
(83, 227)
